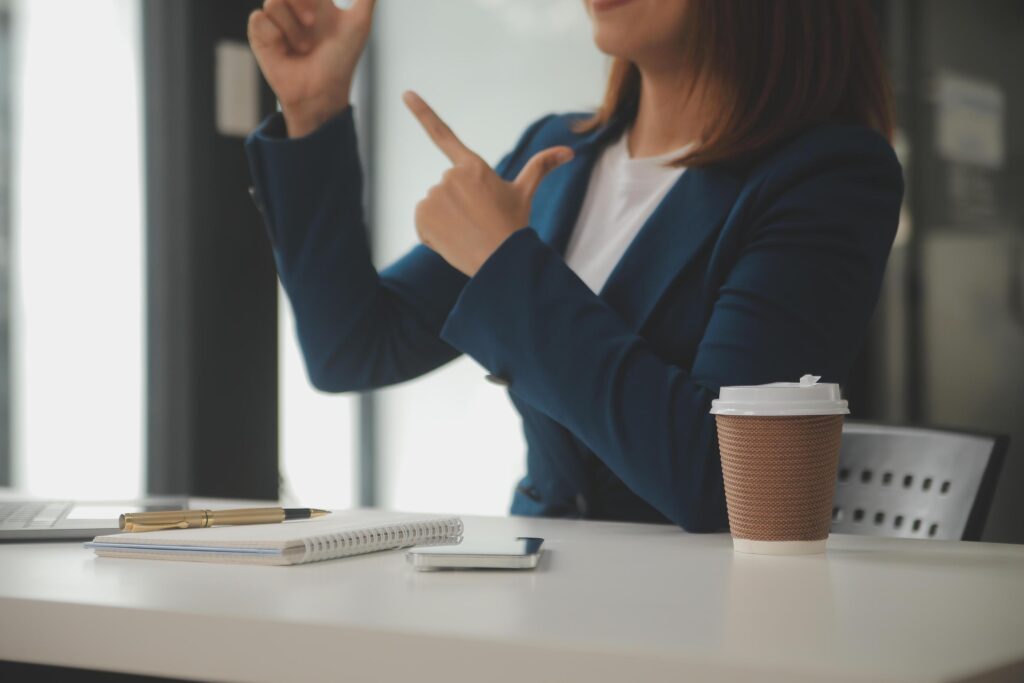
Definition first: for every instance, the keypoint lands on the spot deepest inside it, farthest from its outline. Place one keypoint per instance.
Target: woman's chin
(613, 45)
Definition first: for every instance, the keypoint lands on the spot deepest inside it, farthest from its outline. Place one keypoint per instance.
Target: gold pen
(198, 519)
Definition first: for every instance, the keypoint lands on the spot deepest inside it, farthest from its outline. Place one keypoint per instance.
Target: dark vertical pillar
(914, 107)
(212, 297)
(880, 386)
(368, 454)
(5, 248)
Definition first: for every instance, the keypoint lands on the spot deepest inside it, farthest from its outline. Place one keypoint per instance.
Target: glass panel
(317, 430)
(451, 441)
(77, 248)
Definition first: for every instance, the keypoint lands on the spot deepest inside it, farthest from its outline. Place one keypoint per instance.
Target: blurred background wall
(144, 344)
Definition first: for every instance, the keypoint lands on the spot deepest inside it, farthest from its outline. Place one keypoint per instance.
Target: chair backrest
(912, 482)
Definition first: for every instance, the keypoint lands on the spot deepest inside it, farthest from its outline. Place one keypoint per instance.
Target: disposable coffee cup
(780, 451)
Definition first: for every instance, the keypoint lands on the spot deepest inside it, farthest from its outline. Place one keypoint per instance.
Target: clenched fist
(308, 51)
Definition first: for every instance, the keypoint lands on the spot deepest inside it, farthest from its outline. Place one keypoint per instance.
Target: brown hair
(779, 67)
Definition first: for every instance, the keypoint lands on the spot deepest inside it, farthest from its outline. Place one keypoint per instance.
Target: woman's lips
(602, 5)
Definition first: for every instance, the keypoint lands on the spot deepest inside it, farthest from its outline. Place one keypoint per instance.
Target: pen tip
(317, 513)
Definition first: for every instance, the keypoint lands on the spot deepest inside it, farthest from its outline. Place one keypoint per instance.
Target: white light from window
(78, 387)
(317, 430)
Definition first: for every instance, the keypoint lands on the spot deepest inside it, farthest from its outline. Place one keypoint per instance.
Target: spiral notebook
(340, 534)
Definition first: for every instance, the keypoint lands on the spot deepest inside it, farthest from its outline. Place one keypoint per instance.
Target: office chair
(912, 482)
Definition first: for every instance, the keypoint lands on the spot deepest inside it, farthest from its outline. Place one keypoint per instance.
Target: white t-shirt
(621, 194)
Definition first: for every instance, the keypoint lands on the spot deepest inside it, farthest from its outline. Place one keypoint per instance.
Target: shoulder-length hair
(777, 66)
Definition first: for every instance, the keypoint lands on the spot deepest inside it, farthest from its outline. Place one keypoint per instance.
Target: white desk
(609, 602)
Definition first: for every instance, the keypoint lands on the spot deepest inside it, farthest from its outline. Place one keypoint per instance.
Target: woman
(724, 218)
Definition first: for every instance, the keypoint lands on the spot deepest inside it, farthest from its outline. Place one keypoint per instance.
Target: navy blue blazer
(742, 275)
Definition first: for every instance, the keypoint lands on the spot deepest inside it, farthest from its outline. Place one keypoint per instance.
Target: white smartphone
(478, 553)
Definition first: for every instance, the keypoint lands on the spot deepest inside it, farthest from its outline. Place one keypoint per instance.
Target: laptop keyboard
(34, 515)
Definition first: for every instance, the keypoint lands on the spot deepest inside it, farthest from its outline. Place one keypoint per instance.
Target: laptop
(28, 519)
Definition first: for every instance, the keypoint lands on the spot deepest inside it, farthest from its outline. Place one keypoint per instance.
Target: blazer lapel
(689, 215)
(555, 210)
(683, 222)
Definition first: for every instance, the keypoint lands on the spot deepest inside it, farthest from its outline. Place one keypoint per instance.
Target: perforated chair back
(911, 482)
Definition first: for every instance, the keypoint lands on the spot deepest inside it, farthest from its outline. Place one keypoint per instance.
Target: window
(74, 266)
(317, 430)
(450, 440)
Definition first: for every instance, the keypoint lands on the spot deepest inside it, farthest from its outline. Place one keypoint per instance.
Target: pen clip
(133, 527)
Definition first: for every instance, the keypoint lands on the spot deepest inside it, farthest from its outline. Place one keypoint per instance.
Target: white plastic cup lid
(805, 397)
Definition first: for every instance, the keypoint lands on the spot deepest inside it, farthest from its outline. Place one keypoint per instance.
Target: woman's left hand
(467, 216)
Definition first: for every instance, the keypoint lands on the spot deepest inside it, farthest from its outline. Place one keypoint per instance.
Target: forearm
(357, 330)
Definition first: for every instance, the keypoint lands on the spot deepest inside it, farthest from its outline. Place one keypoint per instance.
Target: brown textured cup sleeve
(780, 474)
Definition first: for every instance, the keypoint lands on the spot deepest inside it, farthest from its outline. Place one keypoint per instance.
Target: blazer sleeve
(797, 300)
(357, 328)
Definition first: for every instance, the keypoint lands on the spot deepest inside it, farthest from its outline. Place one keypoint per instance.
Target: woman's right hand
(308, 51)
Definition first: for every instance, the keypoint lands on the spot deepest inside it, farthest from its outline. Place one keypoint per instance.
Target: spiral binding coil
(387, 537)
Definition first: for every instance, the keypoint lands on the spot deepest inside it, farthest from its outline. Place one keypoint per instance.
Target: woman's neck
(669, 115)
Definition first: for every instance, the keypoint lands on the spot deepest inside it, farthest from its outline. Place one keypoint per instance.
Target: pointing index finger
(437, 129)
